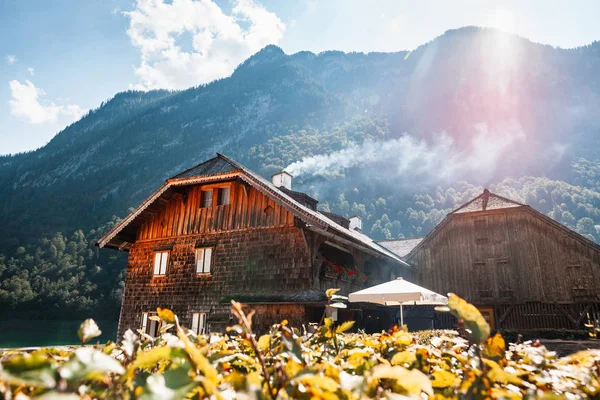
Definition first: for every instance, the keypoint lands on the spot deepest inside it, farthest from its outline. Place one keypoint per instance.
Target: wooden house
(218, 232)
(521, 268)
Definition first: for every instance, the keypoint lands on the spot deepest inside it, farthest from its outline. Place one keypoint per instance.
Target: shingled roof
(401, 247)
(486, 201)
(214, 166)
(222, 167)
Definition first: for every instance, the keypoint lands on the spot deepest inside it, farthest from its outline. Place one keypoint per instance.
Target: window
(150, 323)
(199, 323)
(206, 199)
(223, 196)
(203, 260)
(160, 262)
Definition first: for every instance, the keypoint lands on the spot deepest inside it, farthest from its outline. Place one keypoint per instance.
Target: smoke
(409, 161)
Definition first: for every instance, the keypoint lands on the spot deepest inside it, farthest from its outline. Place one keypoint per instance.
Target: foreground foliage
(286, 363)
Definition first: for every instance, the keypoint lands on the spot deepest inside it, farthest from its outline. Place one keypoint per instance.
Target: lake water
(30, 333)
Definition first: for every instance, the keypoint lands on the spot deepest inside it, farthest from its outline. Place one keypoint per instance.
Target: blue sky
(59, 59)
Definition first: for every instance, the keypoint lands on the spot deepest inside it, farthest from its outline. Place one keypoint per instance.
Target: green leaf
(474, 321)
(29, 369)
(89, 364)
(88, 330)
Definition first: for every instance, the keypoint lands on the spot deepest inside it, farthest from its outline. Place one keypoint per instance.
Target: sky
(62, 58)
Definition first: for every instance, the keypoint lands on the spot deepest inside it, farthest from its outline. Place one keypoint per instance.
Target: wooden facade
(267, 250)
(184, 215)
(526, 270)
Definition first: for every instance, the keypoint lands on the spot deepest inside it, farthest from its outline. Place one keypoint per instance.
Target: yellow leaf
(474, 321)
(148, 359)
(443, 379)
(331, 292)
(344, 326)
(404, 357)
(412, 381)
(319, 381)
(166, 315)
(497, 374)
(495, 347)
(328, 322)
(264, 342)
(402, 338)
(200, 362)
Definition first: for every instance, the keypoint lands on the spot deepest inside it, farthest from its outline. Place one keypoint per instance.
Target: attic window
(268, 210)
(206, 198)
(223, 196)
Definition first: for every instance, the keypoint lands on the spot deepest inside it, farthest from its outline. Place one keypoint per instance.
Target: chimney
(356, 223)
(282, 179)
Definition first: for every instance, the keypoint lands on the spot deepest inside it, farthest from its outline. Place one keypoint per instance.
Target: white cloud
(11, 58)
(26, 104)
(187, 42)
(31, 71)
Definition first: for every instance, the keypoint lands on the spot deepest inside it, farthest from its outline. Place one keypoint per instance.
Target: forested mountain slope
(398, 138)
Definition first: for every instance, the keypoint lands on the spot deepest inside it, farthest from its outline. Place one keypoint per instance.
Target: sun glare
(503, 19)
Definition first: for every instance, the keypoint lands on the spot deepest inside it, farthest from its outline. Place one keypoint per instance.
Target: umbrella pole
(401, 316)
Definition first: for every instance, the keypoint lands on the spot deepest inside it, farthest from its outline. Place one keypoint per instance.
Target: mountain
(398, 138)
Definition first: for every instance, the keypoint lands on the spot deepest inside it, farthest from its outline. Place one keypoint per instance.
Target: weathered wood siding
(508, 256)
(258, 261)
(182, 215)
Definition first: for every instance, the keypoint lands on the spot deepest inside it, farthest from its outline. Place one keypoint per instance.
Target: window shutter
(156, 263)
(207, 259)
(199, 261)
(144, 321)
(163, 262)
(195, 318)
(202, 325)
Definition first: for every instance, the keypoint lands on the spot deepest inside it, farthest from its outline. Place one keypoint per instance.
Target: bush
(328, 364)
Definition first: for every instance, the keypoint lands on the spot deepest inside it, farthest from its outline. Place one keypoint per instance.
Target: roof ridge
(221, 156)
(485, 195)
(400, 239)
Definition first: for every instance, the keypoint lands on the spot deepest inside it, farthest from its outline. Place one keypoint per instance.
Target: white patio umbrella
(397, 293)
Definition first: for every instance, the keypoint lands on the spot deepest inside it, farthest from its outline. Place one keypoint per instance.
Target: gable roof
(401, 247)
(488, 201)
(214, 166)
(222, 167)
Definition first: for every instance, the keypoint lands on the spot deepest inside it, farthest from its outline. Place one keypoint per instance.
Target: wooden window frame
(215, 187)
(199, 323)
(148, 325)
(163, 253)
(202, 198)
(205, 269)
(219, 190)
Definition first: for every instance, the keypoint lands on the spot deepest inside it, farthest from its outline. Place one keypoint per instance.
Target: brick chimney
(356, 223)
(282, 179)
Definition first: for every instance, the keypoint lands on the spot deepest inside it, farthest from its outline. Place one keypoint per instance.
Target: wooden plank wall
(508, 257)
(184, 216)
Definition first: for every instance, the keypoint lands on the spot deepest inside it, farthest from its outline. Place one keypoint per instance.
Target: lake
(30, 333)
